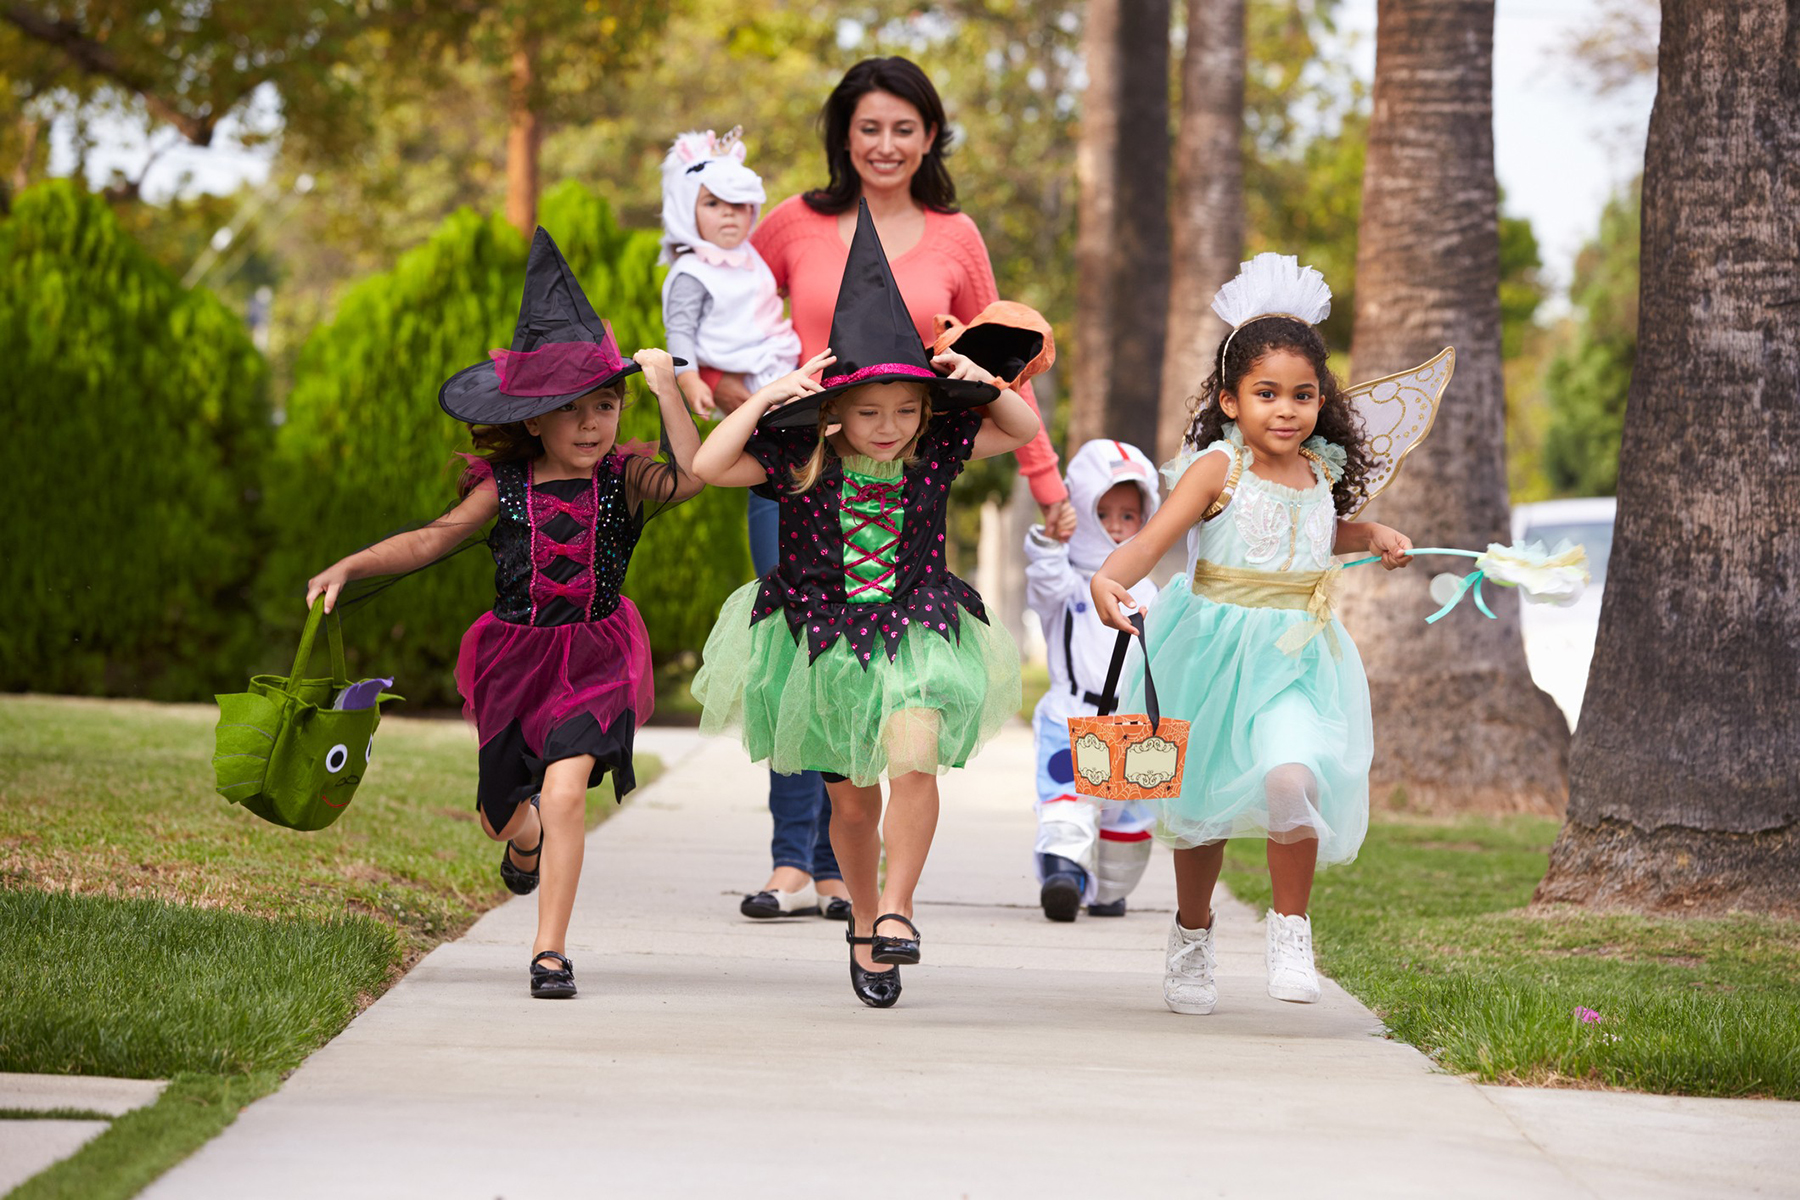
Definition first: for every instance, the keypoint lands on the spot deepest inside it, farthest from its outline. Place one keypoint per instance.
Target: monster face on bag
(284, 755)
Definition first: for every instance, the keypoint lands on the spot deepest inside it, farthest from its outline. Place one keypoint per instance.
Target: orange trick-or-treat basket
(1133, 756)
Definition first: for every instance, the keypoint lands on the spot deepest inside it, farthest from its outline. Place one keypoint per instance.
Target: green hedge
(138, 424)
(365, 450)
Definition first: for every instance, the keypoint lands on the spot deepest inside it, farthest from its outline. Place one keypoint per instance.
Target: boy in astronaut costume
(1086, 851)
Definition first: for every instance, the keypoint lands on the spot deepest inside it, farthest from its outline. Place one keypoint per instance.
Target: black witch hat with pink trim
(875, 340)
(561, 350)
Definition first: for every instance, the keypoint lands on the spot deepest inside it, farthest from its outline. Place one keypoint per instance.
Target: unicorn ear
(738, 152)
(694, 145)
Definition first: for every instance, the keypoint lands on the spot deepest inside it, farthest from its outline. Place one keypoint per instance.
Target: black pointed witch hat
(561, 349)
(875, 340)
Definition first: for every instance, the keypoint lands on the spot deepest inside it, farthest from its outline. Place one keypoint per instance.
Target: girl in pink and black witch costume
(557, 676)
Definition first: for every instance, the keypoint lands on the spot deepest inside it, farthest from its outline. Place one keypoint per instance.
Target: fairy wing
(1397, 412)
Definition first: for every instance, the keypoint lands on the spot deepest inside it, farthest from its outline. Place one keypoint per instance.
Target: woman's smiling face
(888, 141)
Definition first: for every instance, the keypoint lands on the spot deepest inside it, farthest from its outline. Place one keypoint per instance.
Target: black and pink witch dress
(560, 667)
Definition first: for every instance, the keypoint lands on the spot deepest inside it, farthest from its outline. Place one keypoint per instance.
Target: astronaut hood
(1094, 469)
(696, 160)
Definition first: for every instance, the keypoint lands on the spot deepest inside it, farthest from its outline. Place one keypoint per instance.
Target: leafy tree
(140, 434)
(1588, 381)
(365, 449)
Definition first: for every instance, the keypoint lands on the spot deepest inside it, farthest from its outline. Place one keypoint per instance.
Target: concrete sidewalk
(712, 1056)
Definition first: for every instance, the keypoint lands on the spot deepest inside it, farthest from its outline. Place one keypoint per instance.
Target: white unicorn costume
(1087, 852)
(720, 307)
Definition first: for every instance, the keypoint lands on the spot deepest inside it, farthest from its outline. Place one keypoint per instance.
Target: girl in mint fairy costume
(860, 655)
(1245, 646)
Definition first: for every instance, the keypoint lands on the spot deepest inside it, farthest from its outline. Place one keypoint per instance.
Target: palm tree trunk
(1684, 793)
(1122, 245)
(522, 138)
(1207, 216)
(1458, 722)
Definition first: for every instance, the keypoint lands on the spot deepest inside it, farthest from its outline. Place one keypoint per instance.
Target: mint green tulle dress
(1244, 647)
(860, 654)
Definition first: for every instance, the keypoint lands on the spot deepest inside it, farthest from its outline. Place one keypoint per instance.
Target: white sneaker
(1188, 985)
(1292, 975)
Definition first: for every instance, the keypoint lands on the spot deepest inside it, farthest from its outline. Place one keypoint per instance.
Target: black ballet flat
(1112, 908)
(893, 949)
(834, 908)
(518, 881)
(552, 983)
(877, 989)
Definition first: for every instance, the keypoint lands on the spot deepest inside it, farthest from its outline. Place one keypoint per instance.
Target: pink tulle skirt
(542, 676)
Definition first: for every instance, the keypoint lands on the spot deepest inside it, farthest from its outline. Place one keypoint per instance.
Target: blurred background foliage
(373, 262)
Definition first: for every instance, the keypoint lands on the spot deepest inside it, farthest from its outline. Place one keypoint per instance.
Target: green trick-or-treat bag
(293, 750)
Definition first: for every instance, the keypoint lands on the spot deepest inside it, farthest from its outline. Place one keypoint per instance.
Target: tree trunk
(1207, 216)
(522, 137)
(1122, 248)
(1686, 789)
(1458, 722)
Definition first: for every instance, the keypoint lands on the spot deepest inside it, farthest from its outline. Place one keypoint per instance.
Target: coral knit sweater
(947, 272)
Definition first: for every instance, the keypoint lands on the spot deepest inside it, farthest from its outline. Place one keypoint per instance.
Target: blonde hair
(807, 473)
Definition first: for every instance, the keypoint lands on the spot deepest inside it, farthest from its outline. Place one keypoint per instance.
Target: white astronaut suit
(1087, 851)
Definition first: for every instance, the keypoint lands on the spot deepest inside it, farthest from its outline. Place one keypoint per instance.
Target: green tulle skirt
(929, 709)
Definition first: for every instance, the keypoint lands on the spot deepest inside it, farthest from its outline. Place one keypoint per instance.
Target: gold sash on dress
(1312, 592)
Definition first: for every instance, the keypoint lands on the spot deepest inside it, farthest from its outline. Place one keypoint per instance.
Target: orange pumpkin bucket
(1132, 756)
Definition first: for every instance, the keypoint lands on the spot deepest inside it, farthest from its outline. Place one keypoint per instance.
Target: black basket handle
(1117, 665)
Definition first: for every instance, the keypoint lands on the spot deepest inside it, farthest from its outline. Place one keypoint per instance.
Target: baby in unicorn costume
(720, 306)
(1086, 850)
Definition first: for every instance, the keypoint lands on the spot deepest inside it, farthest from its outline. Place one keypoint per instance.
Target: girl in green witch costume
(860, 655)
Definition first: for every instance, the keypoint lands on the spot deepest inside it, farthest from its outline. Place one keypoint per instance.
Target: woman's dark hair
(1338, 422)
(931, 184)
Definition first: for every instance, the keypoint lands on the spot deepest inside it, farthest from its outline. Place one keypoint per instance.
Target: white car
(1559, 642)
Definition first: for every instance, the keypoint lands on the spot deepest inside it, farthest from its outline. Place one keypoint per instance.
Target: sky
(1560, 152)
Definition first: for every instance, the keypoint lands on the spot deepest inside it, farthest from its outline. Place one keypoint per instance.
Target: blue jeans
(798, 803)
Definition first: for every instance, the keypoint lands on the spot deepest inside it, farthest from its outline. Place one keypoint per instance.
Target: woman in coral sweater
(885, 138)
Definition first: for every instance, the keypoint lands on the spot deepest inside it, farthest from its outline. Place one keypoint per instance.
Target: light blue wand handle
(1470, 582)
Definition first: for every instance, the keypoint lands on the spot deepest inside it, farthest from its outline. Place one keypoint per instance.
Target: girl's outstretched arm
(410, 550)
(1394, 547)
(684, 439)
(1010, 421)
(721, 459)
(1193, 495)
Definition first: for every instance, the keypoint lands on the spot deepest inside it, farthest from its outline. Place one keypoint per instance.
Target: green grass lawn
(150, 929)
(1429, 927)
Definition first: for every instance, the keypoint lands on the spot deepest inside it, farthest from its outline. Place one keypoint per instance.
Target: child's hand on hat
(960, 366)
(794, 384)
(659, 368)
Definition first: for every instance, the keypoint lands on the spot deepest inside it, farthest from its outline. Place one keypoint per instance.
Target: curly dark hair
(931, 184)
(1338, 422)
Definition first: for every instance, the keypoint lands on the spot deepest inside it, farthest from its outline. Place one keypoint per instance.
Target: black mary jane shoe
(1112, 908)
(877, 989)
(552, 983)
(518, 881)
(894, 949)
(834, 908)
